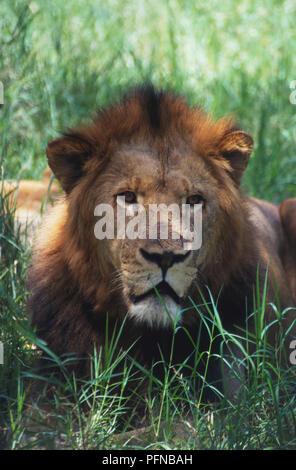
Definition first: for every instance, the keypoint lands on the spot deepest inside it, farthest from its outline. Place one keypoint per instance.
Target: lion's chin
(156, 313)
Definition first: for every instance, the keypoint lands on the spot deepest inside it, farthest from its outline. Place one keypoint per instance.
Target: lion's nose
(164, 260)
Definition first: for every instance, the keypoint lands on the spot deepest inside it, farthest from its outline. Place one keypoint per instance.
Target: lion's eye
(195, 199)
(130, 197)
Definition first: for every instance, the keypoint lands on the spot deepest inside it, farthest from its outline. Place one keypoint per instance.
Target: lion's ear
(236, 147)
(66, 157)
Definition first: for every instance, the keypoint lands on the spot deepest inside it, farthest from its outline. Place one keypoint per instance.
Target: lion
(153, 148)
(27, 196)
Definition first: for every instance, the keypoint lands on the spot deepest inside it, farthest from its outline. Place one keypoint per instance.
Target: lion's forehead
(144, 169)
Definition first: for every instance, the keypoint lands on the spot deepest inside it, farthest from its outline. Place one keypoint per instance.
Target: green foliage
(59, 61)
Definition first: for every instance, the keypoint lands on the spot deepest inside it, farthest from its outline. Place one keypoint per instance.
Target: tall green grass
(59, 61)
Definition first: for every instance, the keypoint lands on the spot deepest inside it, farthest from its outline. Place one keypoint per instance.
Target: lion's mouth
(163, 288)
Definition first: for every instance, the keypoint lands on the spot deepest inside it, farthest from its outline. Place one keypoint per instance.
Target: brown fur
(153, 144)
(27, 196)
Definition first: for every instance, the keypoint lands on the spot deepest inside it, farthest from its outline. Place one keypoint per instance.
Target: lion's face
(151, 149)
(137, 172)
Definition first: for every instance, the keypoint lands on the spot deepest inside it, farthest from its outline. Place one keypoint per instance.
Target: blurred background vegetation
(60, 61)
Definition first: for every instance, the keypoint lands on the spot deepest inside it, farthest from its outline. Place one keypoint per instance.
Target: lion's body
(27, 197)
(156, 147)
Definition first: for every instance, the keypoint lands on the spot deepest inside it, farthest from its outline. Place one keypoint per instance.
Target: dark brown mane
(145, 112)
